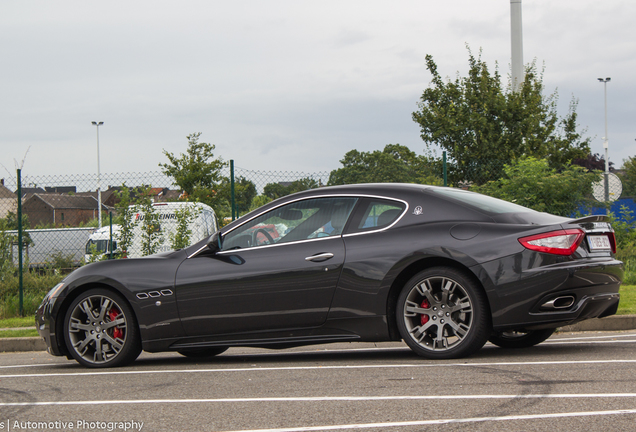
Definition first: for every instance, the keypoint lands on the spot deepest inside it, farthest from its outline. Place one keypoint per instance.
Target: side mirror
(215, 242)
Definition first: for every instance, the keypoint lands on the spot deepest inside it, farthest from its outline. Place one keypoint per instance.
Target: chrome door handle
(320, 257)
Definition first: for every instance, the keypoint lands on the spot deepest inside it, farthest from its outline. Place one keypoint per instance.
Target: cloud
(281, 83)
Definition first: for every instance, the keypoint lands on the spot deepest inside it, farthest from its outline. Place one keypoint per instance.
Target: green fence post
(110, 241)
(232, 204)
(20, 278)
(444, 168)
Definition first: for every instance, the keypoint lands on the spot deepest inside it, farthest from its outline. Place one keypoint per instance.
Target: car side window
(300, 220)
(374, 214)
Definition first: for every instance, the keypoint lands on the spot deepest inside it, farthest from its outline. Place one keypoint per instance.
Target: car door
(276, 271)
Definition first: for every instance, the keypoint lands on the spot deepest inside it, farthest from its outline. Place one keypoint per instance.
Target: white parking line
(567, 342)
(433, 364)
(590, 339)
(563, 340)
(34, 365)
(625, 335)
(325, 399)
(444, 421)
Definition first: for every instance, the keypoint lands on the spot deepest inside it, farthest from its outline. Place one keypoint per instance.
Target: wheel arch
(74, 292)
(411, 270)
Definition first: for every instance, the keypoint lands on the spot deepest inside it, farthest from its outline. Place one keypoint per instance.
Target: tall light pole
(605, 140)
(99, 180)
(516, 43)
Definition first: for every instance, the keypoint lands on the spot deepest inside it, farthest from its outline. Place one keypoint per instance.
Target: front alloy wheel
(100, 330)
(442, 314)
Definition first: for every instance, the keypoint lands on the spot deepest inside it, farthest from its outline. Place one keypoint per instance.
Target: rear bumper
(595, 306)
(523, 301)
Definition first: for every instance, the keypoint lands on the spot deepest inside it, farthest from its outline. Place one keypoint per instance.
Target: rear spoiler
(591, 219)
(594, 224)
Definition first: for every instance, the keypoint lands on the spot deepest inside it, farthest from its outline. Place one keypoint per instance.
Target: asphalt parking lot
(574, 381)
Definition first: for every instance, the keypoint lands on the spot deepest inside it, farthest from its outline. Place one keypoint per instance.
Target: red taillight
(561, 242)
(612, 239)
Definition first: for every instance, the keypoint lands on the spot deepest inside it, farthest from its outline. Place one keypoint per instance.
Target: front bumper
(46, 325)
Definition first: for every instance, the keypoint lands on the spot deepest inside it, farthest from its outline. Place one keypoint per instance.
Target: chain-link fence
(56, 220)
(60, 214)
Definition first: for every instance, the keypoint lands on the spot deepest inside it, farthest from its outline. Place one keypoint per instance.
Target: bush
(60, 260)
(625, 230)
(532, 183)
(35, 287)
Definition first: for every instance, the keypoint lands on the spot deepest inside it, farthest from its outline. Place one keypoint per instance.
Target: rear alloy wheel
(520, 339)
(443, 314)
(203, 352)
(100, 330)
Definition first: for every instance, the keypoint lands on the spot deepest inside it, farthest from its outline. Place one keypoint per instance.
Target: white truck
(45, 245)
(202, 224)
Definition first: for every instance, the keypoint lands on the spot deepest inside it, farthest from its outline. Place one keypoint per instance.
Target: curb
(611, 323)
(19, 344)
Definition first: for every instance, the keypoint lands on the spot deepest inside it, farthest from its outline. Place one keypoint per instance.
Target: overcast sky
(280, 85)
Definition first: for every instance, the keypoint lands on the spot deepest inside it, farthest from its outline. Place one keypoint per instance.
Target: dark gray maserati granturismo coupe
(443, 269)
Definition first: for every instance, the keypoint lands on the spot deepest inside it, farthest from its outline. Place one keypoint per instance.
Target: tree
(180, 238)
(244, 193)
(127, 222)
(6, 246)
(277, 190)
(593, 162)
(395, 164)
(7, 240)
(483, 126)
(259, 201)
(151, 236)
(628, 177)
(532, 183)
(10, 222)
(197, 172)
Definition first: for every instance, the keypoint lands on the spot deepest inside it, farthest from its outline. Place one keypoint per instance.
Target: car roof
(389, 189)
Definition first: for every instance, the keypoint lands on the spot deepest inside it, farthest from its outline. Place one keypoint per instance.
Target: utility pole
(99, 180)
(606, 140)
(516, 33)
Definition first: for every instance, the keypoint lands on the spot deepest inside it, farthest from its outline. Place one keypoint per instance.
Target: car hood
(123, 269)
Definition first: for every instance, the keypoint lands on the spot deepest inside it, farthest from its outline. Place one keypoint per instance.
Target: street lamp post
(605, 141)
(99, 181)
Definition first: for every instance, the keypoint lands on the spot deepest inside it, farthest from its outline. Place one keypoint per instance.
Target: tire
(443, 314)
(100, 330)
(203, 352)
(513, 339)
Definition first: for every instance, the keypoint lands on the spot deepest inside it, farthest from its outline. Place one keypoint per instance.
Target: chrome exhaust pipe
(562, 302)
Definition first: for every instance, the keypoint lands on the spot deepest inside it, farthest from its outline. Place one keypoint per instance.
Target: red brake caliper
(113, 314)
(425, 305)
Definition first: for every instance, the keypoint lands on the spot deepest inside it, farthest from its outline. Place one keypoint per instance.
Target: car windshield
(482, 202)
(100, 246)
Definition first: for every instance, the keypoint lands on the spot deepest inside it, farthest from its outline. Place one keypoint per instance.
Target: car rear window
(375, 214)
(482, 202)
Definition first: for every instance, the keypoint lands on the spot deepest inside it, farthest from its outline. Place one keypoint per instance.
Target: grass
(35, 288)
(18, 333)
(27, 321)
(627, 306)
(14, 324)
